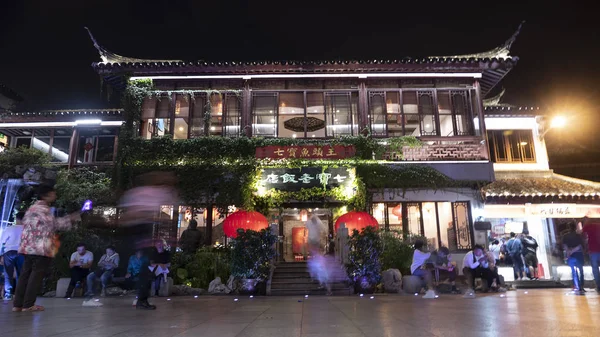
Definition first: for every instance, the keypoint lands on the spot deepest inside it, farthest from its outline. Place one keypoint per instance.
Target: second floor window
(304, 114)
(96, 145)
(396, 113)
(511, 146)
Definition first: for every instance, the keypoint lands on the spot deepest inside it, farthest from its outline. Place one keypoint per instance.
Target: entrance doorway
(292, 227)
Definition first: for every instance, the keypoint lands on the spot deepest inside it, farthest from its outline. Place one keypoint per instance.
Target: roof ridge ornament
(495, 100)
(501, 52)
(110, 57)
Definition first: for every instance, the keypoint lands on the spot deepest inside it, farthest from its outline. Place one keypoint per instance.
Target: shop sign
(294, 179)
(553, 210)
(306, 152)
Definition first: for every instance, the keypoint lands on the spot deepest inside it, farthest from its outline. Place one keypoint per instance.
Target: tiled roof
(68, 112)
(548, 185)
(506, 110)
(9, 93)
(493, 64)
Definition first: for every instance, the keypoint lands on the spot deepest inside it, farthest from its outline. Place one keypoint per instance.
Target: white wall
(521, 123)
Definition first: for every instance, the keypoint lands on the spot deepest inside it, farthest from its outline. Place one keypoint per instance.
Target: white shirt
(469, 263)
(86, 258)
(11, 238)
(419, 258)
(495, 249)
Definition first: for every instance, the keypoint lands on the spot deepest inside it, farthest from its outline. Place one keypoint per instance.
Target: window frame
(493, 137)
(454, 205)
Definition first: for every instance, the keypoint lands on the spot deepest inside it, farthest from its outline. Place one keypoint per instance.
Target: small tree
(76, 185)
(364, 268)
(252, 254)
(23, 157)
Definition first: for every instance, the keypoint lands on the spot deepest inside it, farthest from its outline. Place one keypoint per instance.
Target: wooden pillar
(363, 106)
(246, 124)
(172, 107)
(481, 116)
(209, 224)
(73, 148)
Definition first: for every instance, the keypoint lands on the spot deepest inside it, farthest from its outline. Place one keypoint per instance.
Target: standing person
(38, 246)
(191, 238)
(104, 271)
(418, 268)
(476, 264)
(530, 247)
(573, 249)
(80, 263)
(160, 261)
(495, 249)
(591, 230)
(13, 261)
(140, 205)
(317, 264)
(514, 249)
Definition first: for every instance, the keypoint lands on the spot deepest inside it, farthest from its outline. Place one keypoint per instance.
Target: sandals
(34, 308)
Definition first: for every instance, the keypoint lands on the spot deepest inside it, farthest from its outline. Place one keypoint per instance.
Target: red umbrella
(356, 220)
(244, 220)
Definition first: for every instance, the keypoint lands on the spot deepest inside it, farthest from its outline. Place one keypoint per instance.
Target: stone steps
(293, 278)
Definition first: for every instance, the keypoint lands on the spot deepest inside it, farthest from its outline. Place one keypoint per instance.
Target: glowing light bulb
(181, 128)
(305, 296)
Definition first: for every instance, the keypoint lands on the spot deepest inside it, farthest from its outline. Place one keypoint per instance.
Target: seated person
(476, 264)
(80, 263)
(160, 261)
(134, 267)
(105, 269)
(443, 266)
(418, 268)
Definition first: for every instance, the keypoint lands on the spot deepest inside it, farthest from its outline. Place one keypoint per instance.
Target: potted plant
(251, 259)
(364, 268)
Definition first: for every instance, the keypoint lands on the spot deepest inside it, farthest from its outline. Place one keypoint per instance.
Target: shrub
(252, 254)
(21, 156)
(397, 251)
(199, 269)
(365, 249)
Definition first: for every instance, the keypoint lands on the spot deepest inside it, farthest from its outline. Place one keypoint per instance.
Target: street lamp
(556, 123)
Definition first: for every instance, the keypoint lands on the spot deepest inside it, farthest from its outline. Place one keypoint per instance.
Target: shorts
(531, 260)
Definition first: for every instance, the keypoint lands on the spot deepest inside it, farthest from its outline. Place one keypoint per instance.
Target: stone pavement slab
(548, 313)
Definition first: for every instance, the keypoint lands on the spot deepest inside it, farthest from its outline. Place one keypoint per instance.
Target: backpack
(510, 246)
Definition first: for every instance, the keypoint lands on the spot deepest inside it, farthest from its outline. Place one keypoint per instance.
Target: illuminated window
(511, 146)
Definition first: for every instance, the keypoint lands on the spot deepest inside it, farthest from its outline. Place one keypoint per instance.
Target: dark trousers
(575, 261)
(78, 274)
(13, 261)
(144, 282)
(30, 281)
(484, 273)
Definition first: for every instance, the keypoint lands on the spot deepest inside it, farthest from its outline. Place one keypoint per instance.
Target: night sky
(45, 54)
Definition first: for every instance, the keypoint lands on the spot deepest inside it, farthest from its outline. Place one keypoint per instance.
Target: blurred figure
(13, 261)
(38, 246)
(160, 261)
(476, 264)
(591, 231)
(419, 268)
(318, 263)
(495, 248)
(191, 238)
(140, 205)
(80, 264)
(134, 268)
(515, 249)
(530, 247)
(104, 271)
(573, 252)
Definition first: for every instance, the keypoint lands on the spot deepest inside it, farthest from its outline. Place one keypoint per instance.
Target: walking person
(140, 204)
(80, 263)
(38, 246)
(495, 249)
(530, 247)
(591, 230)
(514, 249)
(573, 249)
(13, 261)
(318, 264)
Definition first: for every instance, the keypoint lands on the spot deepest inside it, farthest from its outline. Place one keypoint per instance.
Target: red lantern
(356, 220)
(244, 220)
(397, 211)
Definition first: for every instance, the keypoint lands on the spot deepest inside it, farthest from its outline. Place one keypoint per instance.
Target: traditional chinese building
(406, 135)
(527, 194)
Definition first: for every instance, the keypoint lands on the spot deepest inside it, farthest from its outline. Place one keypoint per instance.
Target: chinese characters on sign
(306, 152)
(307, 177)
(554, 210)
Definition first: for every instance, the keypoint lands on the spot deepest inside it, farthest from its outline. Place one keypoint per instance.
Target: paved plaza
(518, 313)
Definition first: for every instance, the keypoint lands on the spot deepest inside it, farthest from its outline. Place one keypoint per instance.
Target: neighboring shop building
(526, 193)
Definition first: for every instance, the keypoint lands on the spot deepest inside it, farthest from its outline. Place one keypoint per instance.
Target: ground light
(235, 299)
